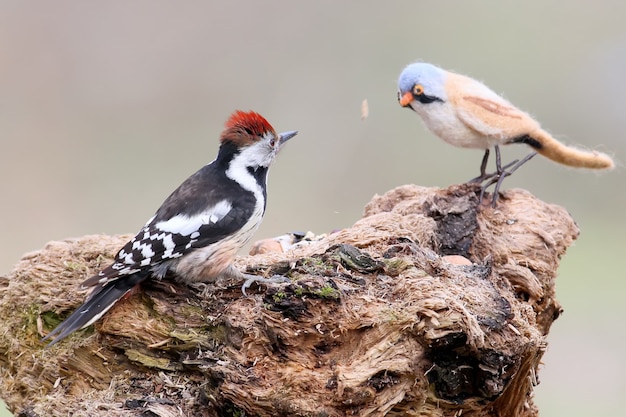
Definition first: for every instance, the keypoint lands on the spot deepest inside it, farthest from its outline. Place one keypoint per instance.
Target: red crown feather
(243, 127)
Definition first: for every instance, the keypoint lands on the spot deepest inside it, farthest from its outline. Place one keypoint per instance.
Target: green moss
(316, 262)
(28, 323)
(29, 316)
(50, 319)
(395, 266)
(315, 266)
(327, 292)
(149, 361)
(190, 311)
(279, 296)
(74, 266)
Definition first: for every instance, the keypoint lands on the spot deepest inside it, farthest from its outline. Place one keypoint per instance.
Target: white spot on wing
(126, 258)
(220, 211)
(189, 225)
(169, 245)
(145, 247)
(147, 252)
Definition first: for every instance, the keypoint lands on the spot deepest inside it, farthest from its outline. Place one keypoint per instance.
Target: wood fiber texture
(427, 306)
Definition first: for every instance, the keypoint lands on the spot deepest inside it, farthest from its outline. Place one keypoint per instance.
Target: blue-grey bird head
(421, 82)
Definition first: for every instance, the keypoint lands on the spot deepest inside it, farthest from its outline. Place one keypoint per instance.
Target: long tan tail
(552, 149)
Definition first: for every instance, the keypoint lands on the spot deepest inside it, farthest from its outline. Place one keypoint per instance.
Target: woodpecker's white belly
(207, 263)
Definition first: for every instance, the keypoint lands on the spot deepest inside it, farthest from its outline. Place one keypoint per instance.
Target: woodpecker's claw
(276, 279)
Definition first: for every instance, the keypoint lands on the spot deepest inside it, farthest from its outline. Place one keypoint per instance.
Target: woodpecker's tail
(98, 303)
(551, 148)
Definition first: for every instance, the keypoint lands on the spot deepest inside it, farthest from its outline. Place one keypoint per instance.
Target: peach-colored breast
(206, 264)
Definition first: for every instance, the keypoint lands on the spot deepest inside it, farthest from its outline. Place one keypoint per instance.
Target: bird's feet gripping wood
(497, 177)
(234, 273)
(275, 279)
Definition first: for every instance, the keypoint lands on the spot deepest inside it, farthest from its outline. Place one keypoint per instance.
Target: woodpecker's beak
(284, 137)
(406, 99)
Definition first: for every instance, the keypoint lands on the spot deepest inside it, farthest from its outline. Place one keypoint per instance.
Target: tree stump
(427, 306)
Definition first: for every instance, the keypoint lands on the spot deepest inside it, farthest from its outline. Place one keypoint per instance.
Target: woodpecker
(199, 228)
(466, 113)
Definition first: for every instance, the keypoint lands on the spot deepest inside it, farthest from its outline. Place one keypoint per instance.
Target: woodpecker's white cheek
(254, 156)
(259, 154)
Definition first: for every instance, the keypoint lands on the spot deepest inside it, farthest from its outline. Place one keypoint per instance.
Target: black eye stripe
(427, 99)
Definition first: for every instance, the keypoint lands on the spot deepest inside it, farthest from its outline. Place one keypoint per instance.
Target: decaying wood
(427, 306)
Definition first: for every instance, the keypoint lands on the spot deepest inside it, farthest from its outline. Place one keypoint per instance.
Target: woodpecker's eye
(418, 90)
(273, 141)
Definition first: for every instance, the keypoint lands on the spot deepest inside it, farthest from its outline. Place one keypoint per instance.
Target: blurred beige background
(106, 107)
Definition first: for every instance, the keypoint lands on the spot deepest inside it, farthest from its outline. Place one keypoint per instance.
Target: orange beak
(406, 99)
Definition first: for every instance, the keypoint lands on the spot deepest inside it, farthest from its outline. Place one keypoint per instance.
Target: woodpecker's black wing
(206, 208)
